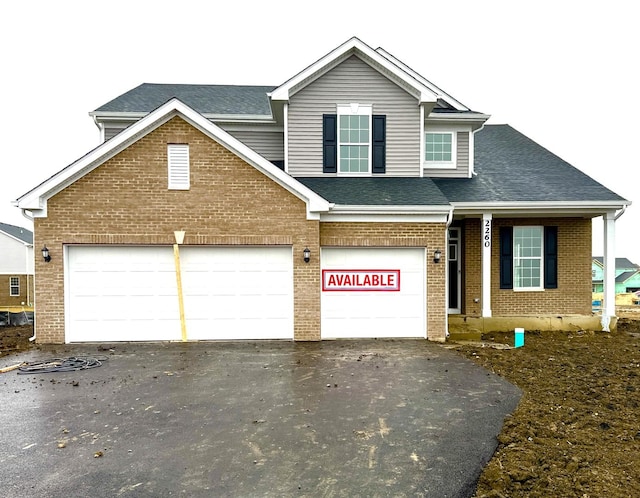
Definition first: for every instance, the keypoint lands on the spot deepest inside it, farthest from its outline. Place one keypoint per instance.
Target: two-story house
(357, 199)
(16, 271)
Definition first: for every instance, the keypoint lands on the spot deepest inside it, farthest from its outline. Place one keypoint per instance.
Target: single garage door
(373, 292)
(117, 293)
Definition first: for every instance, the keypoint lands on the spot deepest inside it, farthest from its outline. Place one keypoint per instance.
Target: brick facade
(126, 201)
(573, 295)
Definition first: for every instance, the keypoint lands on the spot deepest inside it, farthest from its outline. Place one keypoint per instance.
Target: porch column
(486, 264)
(609, 279)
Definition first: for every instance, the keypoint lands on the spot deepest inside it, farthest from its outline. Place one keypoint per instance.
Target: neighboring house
(627, 275)
(355, 200)
(16, 268)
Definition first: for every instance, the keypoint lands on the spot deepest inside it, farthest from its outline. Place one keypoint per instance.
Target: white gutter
(624, 208)
(533, 208)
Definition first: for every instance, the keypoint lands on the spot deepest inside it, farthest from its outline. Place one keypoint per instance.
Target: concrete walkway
(268, 419)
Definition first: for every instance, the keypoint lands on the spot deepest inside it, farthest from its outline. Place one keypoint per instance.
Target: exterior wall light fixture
(45, 254)
(306, 254)
(437, 254)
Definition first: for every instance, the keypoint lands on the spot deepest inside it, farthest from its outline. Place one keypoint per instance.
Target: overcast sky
(563, 73)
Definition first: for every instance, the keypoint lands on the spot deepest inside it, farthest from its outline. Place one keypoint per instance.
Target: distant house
(627, 275)
(16, 268)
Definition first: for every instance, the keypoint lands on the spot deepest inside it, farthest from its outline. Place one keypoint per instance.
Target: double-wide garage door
(118, 293)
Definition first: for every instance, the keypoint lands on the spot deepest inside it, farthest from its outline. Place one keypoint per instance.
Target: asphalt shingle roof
(377, 190)
(623, 277)
(511, 167)
(205, 99)
(620, 262)
(18, 232)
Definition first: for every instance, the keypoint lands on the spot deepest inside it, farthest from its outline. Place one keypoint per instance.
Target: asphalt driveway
(338, 418)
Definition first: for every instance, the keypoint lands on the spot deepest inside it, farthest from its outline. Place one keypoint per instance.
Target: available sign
(361, 280)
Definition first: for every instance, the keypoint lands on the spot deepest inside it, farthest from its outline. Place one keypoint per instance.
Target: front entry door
(454, 270)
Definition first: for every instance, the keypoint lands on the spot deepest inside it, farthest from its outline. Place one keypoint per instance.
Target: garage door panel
(375, 313)
(130, 293)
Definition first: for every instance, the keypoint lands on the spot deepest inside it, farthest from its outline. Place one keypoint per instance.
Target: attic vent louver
(178, 155)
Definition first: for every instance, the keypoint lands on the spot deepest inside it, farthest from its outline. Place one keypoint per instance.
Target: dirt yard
(14, 340)
(576, 432)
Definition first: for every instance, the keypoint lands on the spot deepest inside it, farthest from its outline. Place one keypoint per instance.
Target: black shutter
(506, 258)
(329, 143)
(550, 257)
(379, 144)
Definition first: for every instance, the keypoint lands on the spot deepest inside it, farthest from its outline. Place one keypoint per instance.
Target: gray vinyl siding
(269, 144)
(112, 129)
(350, 82)
(462, 160)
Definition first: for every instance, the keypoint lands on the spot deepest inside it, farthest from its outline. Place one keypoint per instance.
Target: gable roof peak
(375, 58)
(36, 199)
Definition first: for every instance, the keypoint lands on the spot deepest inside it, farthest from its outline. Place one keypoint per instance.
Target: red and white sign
(361, 280)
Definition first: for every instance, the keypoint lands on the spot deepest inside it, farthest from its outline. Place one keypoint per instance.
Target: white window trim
(178, 167)
(454, 148)
(357, 110)
(11, 286)
(541, 258)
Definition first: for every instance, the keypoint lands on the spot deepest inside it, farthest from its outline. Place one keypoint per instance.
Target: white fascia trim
(383, 218)
(36, 199)
(534, 208)
(104, 117)
(283, 92)
(434, 214)
(117, 115)
(474, 119)
(435, 89)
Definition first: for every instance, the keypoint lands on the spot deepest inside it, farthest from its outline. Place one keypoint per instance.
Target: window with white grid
(527, 258)
(14, 286)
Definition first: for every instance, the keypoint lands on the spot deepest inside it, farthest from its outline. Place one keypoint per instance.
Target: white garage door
(373, 292)
(130, 293)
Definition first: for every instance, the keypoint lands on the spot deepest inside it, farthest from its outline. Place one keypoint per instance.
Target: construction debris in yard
(61, 365)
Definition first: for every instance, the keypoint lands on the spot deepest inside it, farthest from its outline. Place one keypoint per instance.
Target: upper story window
(354, 139)
(178, 159)
(440, 149)
(14, 286)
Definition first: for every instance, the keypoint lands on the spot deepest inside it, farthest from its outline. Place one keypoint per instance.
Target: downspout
(449, 218)
(30, 218)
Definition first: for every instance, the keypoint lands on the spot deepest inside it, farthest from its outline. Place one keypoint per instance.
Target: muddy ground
(576, 431)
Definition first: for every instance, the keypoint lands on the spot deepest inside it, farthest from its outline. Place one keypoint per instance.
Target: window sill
(439, 165)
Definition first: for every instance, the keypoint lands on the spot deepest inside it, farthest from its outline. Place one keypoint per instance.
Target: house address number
(487, 233)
